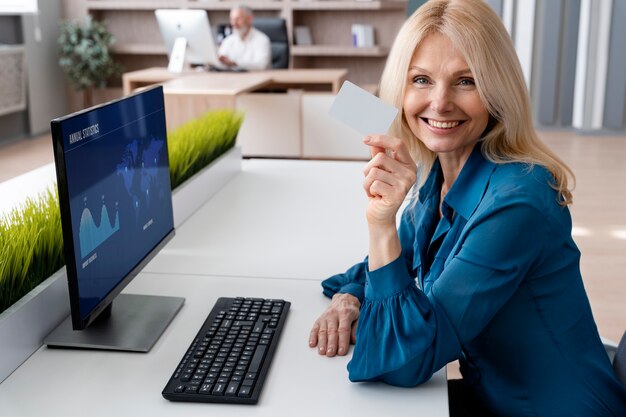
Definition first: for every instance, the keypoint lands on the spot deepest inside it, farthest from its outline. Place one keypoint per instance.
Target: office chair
(276, 29)
(617, 354)
(619, 362)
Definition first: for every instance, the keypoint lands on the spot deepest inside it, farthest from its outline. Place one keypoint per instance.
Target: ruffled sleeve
(405, 335)
(402, 337)
(351, 282)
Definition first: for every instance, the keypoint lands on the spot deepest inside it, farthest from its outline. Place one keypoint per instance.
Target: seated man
(246, 48)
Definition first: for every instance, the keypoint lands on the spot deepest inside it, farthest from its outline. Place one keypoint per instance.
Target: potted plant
(84, 56)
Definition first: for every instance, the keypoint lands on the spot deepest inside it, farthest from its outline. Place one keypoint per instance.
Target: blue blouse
(498, 287)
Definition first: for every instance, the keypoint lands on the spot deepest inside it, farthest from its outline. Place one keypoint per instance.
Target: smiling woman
(441, 103)
(482, 267)
(495, 71)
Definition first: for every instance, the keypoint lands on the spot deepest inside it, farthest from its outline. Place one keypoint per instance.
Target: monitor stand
(177, 56)
(135, 323)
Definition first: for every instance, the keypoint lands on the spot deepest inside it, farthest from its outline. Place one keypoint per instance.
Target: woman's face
(441, 103)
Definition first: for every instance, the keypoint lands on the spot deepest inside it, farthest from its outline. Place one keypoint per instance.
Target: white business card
(361, 110)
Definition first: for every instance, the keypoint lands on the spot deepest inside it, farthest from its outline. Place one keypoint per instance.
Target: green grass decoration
(31, 246)
(31, 240)
(198, 142)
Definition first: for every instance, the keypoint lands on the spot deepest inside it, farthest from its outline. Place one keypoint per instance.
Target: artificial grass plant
(31, 246)
(31, 241)
(196, 143)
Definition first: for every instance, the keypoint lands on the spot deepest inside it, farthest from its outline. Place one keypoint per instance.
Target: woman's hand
(335, 329)
(389, 176)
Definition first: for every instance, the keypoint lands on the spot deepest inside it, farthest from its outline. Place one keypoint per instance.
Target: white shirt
(253, 53)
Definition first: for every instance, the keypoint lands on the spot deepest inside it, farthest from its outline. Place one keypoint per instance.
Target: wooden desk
(326, 79)
(306, 130)
(192, 95)
(316, 79)
(142, 78)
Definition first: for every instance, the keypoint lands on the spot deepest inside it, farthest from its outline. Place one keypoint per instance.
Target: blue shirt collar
(469, 187)
(471, 184)
(432, 186)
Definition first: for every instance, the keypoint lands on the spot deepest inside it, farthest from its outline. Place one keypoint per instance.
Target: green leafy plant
(31, 240)
(84, 56)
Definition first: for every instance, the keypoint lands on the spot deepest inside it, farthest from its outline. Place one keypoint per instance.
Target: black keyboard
(230, 356)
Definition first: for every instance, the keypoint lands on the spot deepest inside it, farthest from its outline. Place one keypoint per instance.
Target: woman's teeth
(443, 125)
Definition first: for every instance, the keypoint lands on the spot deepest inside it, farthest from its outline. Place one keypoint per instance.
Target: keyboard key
(257, 358)
(219, 389)
(232, 389)
(245, 391)
(205, 389)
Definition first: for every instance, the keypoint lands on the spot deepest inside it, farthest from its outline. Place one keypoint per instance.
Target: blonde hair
(477, 32)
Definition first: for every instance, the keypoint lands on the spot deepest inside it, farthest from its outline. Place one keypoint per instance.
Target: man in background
(246, 48)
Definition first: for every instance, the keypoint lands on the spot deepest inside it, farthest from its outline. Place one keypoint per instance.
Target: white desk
(277, 219)
(67, 383)
(284, 225)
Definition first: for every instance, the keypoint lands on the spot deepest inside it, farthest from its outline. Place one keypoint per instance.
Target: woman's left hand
(388, 178)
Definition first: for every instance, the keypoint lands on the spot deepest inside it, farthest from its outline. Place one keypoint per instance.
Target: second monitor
(188, 38)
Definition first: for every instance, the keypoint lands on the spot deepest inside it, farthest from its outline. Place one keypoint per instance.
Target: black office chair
(617, 355)
(276, 29)
(619, 362)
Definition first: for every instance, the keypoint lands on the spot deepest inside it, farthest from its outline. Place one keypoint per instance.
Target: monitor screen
(194, 27)
(114, 194)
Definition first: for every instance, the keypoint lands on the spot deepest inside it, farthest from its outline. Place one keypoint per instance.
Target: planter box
(24, 325)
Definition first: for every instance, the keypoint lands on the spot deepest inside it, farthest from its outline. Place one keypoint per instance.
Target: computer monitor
(188, 37)
(116, 213)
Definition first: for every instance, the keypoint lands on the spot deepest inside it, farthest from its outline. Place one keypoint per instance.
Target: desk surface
(69, 383)
(277, 219)
(219, 83)
(292, 78)
(284, 225)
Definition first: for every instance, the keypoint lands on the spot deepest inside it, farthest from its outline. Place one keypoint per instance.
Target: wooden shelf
(348, 5)
(217, 5)
(227, 5)
(138, 43)
(139, 49)
(132, 5)
(255, 5)
(333, 50)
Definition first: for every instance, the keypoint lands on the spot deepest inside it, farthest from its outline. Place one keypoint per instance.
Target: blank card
(361, 110)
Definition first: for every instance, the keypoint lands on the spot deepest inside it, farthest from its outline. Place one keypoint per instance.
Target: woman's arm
(405, 335)
(389, 176)
(335, 328)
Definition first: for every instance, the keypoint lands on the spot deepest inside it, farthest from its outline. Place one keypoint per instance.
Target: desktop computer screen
(115, 197)
(194, 28)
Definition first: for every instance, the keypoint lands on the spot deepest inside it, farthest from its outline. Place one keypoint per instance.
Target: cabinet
(139, 45)
(12, 79)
